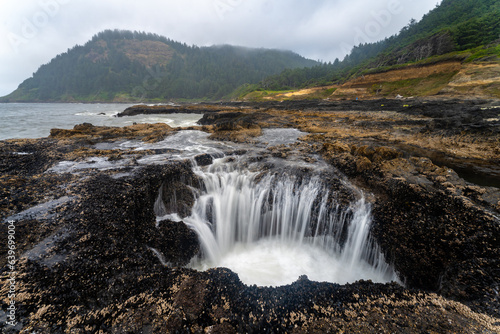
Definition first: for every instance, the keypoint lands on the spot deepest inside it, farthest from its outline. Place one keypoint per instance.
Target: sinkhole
(273, 226)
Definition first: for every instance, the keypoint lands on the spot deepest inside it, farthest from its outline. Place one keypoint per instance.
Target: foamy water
(272, 229)
(35, 120)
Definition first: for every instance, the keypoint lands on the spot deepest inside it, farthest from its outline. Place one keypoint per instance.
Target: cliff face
(434, 45)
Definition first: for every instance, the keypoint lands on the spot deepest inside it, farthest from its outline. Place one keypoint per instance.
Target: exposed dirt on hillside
(481, 80)
(445, 79)
(308, 91)
(422, 80)
(403, 74)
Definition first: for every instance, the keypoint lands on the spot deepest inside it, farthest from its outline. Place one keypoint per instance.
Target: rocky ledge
(93, 258)
(167, 109)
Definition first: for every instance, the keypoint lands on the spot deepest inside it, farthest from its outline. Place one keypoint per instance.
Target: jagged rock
(89, 132)
(204, 159)
(160, 109)
(440, 232)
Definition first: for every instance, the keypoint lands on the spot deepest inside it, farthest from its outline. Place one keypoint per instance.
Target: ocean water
(34, 120)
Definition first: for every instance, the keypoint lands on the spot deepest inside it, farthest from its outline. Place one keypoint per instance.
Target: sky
(32, 32)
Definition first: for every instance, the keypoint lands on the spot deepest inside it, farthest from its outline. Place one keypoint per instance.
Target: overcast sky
(32, 32)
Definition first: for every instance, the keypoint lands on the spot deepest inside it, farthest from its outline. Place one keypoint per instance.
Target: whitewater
(273, 227)
(35, 120)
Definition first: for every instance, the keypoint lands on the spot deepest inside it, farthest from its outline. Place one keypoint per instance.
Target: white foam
(100, 163)
(280, 136)
(271, 262)
(260, 227)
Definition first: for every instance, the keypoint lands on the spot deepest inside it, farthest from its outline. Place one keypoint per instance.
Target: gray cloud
(32, 32)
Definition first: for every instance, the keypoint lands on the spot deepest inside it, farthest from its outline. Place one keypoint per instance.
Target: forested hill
(131, 66)
(457, 27)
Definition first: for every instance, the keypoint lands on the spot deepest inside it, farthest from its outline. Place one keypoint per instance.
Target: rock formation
(93, 258)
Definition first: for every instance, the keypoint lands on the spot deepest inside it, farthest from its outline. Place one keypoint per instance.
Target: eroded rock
(440, 232)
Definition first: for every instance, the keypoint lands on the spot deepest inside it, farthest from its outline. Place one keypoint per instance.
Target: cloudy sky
(32, 32)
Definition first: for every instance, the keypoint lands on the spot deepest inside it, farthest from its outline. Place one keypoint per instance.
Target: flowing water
(271, 228)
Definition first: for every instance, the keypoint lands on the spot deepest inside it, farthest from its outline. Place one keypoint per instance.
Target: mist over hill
(133, 66)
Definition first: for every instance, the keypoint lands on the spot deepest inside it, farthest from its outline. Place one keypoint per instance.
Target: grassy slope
(470, 73)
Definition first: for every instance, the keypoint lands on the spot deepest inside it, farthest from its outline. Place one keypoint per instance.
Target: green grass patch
(430, 85)
(480, 53)
(493, 90)
(466, 56)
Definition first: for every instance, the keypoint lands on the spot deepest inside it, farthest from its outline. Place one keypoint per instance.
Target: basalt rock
(204, 159)
(234, 126)
(228, 121)
(90, 133)
(165, 109)
(441, 243)
(175, 194)
(437, 231)
(98, 261)
(176, 242)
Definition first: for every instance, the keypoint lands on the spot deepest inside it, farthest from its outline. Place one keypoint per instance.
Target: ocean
(34, 120)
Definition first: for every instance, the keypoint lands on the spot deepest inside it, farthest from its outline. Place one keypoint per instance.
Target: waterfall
(271, 228)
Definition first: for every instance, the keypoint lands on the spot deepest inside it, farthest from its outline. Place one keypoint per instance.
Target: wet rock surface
(167, 109)
(93, 258)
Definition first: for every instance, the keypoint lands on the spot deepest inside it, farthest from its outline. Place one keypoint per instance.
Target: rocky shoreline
(165, 109)
(88, 240)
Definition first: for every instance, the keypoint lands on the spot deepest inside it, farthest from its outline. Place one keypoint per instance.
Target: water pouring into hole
(272, 228)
